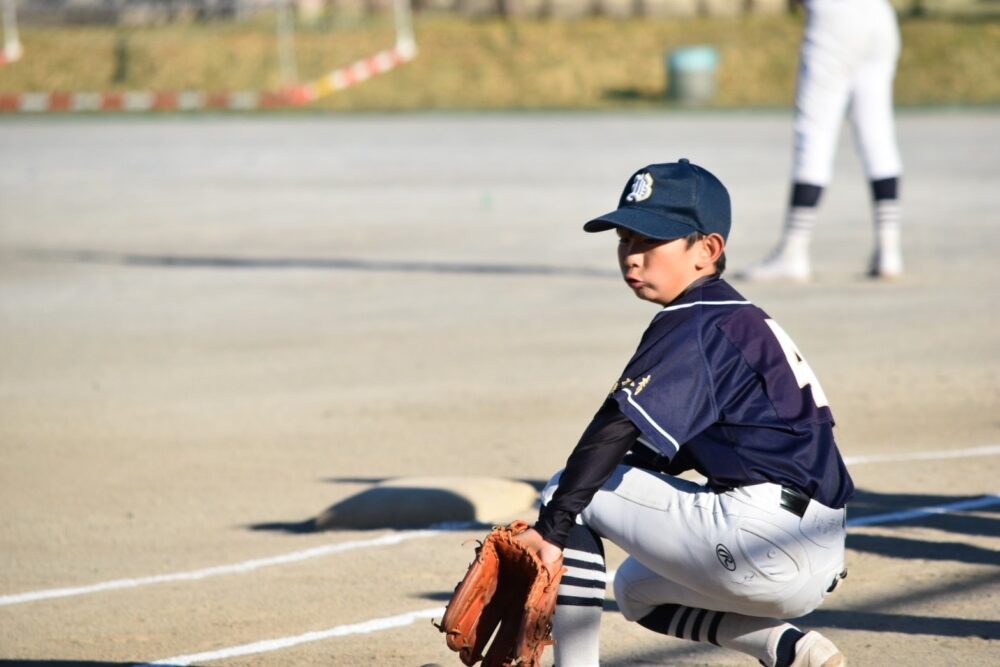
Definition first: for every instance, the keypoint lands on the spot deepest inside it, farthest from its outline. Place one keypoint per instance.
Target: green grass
(593, 63)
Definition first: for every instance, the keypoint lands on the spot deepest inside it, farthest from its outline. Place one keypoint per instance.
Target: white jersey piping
(649, 419)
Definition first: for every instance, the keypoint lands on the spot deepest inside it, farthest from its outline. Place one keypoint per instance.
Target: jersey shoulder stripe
(743, 302)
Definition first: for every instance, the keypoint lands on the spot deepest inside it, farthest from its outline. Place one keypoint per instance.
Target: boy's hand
(549, 553)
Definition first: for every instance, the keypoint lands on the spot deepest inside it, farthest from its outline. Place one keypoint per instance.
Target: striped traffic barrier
(355, 73)
(196, 100)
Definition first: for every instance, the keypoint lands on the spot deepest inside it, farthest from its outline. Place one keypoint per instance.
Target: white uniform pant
(848, 56)
(738, 551)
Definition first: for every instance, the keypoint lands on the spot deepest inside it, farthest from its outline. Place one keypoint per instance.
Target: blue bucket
(691, 74)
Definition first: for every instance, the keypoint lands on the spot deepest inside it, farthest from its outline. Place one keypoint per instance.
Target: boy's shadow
(867, 503)
(981, 522)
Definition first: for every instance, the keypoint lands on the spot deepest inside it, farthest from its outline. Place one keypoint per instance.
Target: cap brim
(645, 223)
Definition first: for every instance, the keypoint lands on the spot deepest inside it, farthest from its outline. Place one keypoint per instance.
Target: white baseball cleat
(781, 265)
(815, 650)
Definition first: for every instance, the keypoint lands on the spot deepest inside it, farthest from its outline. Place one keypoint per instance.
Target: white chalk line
(250, 565)
(374, 625)
(988, 450)
(245, 566)
(378, 624)
(904, 515)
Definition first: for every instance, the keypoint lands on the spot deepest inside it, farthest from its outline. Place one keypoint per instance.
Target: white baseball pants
(848, 57)
(737, 551)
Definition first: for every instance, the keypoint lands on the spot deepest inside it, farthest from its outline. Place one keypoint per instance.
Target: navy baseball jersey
(717, 386)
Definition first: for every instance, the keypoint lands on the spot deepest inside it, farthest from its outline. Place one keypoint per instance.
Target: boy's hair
(720, 264)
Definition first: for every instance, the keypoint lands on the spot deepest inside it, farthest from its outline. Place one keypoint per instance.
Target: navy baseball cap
(669, 201)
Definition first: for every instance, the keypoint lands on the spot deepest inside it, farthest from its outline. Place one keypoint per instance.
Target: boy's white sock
(576, 625)
(577, 634)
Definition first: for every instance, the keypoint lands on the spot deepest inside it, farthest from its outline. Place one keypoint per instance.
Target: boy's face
(658, 270)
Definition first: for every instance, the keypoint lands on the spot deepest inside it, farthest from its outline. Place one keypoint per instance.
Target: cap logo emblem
(642, 188)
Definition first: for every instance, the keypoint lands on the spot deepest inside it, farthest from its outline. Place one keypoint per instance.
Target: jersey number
(800, 367)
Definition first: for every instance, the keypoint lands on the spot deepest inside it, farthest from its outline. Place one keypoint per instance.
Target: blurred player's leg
(827, 62)
(887, 258)
(789, 260)
(823, 90)
(875, 133)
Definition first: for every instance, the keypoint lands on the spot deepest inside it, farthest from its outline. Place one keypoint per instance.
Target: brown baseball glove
(506, 585)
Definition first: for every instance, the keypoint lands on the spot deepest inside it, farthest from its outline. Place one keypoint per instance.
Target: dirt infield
(212, 329)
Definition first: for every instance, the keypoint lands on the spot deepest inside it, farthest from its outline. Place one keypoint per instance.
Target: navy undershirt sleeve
(601, 448)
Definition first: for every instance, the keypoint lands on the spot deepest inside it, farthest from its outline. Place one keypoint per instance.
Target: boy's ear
(711, 248)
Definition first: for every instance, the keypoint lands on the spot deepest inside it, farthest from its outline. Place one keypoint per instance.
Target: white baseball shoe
(783, 264)
(815, 650)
